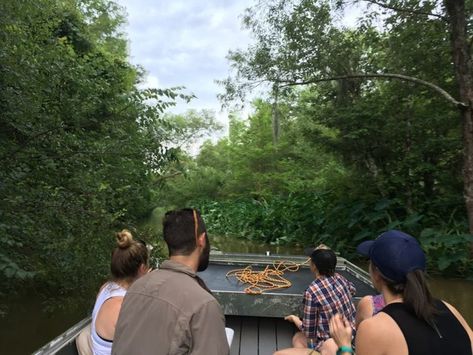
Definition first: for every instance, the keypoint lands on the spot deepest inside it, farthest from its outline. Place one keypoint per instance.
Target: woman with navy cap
(412, 322)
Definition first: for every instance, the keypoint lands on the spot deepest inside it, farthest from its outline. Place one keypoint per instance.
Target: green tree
(299, 43)
(79, 144)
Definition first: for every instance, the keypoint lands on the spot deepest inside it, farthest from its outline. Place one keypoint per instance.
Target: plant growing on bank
(316, 185)
(310, 219)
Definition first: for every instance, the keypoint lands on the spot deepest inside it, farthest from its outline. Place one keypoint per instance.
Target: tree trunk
(462, 65)
(468, 163)
(275, 116)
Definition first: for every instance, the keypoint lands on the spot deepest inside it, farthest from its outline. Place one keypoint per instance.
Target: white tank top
(111, 289)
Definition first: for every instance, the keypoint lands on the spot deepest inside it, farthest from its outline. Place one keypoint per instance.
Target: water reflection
(235, 245)
(457, 292)
(32, 321)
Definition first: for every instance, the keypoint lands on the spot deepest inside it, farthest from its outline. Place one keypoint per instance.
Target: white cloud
(150, 81)
(184, 43)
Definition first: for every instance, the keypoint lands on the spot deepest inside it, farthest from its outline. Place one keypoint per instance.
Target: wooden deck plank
(267, 336)
(284, 333)
(249, 336)
(234, 322)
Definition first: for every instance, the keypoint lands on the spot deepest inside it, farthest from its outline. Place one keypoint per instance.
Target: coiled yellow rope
(271, 278)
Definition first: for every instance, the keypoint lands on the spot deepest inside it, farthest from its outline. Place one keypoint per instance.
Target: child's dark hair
(325, 261)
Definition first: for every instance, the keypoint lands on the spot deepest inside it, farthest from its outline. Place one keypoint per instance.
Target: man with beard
(171, 310)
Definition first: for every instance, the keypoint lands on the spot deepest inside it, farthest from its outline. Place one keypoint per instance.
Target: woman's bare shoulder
(382, 333)
(364, 309)
(378, 324)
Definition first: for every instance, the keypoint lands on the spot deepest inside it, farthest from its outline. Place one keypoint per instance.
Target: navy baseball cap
(395, 254)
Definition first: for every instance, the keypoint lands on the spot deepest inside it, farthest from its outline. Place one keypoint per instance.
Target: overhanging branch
(434, 87)
(411, 11)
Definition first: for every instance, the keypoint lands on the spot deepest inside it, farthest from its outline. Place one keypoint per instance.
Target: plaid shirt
(326, 296)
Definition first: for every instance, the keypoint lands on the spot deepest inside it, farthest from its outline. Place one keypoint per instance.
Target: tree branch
(62, 125)
(411, 11)
(434, 87)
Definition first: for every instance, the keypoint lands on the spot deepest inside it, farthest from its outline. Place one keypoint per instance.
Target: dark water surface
(31, 322)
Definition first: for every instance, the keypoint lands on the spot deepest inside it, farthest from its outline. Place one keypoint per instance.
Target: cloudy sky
(184, 43)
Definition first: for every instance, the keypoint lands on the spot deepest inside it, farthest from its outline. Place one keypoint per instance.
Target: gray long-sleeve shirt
(168, 312)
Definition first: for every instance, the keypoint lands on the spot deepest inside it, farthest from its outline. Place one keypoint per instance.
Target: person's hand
(294, 319)
(340, 330)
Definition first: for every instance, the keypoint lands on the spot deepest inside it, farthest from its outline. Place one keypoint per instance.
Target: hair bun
(124, 239)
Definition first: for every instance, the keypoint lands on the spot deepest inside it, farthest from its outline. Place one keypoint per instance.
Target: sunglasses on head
(196, 225)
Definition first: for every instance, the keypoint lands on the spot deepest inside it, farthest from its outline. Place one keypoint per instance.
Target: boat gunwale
(64, 339)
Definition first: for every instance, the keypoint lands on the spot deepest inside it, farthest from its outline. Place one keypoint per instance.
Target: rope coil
(271, 278)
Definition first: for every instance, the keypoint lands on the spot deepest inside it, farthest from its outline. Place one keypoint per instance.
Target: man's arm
(208, 331)
(347, 283)
(351, 287)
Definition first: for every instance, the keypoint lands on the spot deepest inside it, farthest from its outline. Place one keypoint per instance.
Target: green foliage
(310, 219)
(247, 164)
(448, 251)
(84, 152)
(315, 186)
(186, 129)
(397, 148)
(79, 143)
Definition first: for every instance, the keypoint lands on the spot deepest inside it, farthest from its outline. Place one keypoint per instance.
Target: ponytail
(418, 298)
(416, 295)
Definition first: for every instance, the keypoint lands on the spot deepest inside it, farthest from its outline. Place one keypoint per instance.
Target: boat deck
(215, 278)
(253, 336)
(259, 336)
(274, 303)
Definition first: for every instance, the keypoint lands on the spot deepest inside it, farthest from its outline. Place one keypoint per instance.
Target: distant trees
(384, 149)
(426, 43)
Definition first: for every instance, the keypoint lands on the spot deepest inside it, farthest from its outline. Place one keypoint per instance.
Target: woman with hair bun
(412, 321)
(129, 262)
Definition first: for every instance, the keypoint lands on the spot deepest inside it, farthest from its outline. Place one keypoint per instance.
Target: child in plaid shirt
(329, 294)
